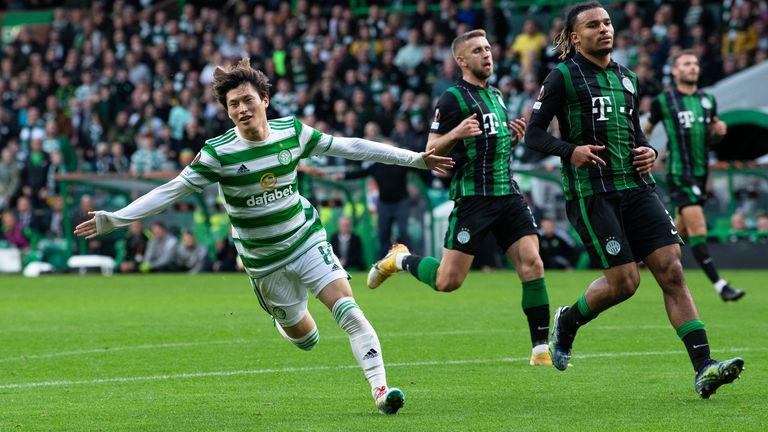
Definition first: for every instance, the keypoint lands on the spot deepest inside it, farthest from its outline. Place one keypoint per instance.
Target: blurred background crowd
(123, 87)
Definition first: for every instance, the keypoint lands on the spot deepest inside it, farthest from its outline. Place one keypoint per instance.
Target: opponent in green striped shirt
(689, 116)
(610, 197)
(278, 233)
(471, 124)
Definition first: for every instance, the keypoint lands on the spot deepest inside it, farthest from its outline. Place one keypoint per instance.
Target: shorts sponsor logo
(284, 157)
(278, 312)
(268, 197)
(613, 247)
(463, 236)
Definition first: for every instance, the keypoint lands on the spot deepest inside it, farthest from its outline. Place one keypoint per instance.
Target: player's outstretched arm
(155, 201)
(362, 149)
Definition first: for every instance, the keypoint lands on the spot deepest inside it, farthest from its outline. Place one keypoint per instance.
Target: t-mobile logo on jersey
(602, 105)
(490, 123)
(685, 118)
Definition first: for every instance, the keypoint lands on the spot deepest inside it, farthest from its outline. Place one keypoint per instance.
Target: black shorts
(623, 226)
(686, 192)
(507, 217)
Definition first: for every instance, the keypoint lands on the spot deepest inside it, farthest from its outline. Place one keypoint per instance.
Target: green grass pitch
(177, 352)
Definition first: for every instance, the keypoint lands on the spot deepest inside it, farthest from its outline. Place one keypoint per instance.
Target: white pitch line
(107, 350)
(326, 368)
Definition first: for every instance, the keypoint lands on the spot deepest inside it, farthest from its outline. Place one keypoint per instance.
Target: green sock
(422, 268)
(536, 308)
(535, 293)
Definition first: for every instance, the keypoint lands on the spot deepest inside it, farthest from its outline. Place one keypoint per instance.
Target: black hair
(563, 39)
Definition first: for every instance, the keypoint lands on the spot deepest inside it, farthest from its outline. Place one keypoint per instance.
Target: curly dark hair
(234, 76)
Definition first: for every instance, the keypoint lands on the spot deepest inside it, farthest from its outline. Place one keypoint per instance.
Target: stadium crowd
(124, 87)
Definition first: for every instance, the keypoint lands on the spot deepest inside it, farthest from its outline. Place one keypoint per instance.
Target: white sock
(538, 349)
(399, 260)
(719, 285)
(363, 340)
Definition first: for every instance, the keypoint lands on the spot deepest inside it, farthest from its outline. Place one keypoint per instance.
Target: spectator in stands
(147, 159)
(348, 246)
(55, 227)
(102, 159)
(411, 54)
(403, 134)
(226, 256)
(135, 245)
(29, 218)
(191, 256)
(180, 114)
(558, 250)
(118, 162)
(762, 223)
(35, 172)
(528, 45)
(394, 205)
(161, 250)
(493, 21)
(13, 232)
(10, 177)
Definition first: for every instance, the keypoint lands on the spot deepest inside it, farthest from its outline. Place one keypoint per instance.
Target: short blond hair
(463, 38)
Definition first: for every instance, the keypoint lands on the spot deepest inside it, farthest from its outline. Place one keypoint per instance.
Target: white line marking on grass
(326, 368)
(107, 350)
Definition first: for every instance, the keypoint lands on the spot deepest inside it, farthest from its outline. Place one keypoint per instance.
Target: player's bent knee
(533, 268)
(672, 274)
(626, 286)
(308, 341)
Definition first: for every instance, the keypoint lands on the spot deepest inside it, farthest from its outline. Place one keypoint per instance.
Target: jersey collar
(583, 61)
(472, 86)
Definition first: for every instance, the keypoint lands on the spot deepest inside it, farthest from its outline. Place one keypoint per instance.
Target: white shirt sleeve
(155, 201)
(362, 149)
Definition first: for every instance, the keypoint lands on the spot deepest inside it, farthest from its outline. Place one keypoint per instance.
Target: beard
(689, 82)
(481, 73)
(602, 52)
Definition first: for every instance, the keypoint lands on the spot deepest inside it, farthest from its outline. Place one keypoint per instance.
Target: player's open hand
(517, 127)
(88, 228)
(439, 164)
(644, 159)
(585, 156)
(468, 127)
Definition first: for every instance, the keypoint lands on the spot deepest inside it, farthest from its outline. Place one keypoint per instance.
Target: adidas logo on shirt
(335, 267)
(371, 354)
(243, 169)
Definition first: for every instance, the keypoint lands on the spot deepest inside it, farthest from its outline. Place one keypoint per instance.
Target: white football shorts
(283, 293)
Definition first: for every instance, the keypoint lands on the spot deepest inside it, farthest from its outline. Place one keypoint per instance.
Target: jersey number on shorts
(325, 251)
